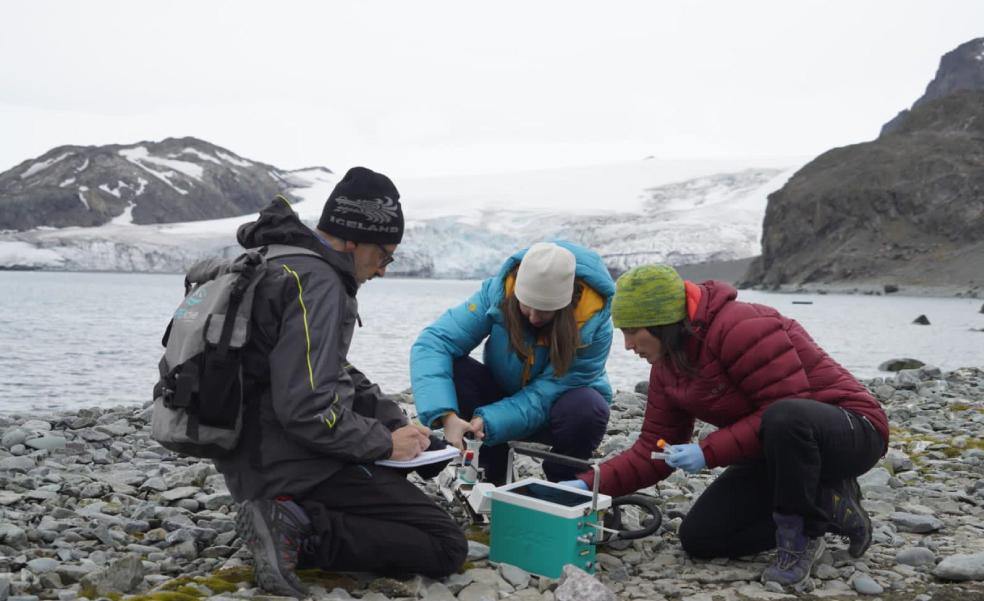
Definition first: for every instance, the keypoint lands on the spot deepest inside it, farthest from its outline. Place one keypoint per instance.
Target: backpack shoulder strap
(275, 251)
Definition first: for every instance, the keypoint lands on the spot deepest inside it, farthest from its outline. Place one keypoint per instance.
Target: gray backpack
(198, 401)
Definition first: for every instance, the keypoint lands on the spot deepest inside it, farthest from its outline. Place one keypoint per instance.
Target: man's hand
(478, 427)
(426, 432)
(409, 441)
(455, 429)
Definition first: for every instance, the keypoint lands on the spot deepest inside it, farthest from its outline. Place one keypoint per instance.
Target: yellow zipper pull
(528, 368)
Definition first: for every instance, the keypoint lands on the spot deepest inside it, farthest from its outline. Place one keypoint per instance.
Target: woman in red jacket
(794, 427)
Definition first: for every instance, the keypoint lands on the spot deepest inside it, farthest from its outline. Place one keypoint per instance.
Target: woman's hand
(576, 483)
(688, 457)
(478, 427)
(455, 429)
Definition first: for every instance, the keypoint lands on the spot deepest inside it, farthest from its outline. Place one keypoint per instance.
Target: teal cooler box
(540, 526)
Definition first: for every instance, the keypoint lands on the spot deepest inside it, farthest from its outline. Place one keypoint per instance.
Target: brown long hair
(561, 333)
(673, 338)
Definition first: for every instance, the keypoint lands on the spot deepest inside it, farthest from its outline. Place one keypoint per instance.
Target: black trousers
(807, 446)
(371, 518)
(578, 421)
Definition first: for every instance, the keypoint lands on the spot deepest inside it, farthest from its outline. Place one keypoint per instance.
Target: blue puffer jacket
(532, 386)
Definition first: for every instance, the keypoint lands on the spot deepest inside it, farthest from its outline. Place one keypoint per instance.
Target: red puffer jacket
(747, 356)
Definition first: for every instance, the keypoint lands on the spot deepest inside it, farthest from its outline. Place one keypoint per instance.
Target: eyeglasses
(387, 256)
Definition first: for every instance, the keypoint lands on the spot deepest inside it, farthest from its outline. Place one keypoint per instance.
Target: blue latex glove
(574, 484)
(688, 457)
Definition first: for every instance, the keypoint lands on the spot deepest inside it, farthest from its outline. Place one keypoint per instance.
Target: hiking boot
(842, 502)
(795, 554)
(309, 552)
(274, 531)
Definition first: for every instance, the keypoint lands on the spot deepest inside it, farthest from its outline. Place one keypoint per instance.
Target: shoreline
(840, 288)
(877, 289)
(91, 507)
(735, 271)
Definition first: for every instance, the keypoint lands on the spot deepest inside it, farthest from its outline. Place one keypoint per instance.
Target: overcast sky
(429, 88)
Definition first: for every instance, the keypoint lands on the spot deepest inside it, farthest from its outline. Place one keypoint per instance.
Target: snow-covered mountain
(679, 212)
(162, 247)
(174, 180)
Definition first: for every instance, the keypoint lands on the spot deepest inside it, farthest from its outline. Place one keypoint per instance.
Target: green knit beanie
(649, 295)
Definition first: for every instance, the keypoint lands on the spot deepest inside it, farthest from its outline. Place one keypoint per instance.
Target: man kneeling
(313, 424)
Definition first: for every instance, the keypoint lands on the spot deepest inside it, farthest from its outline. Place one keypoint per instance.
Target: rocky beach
(91, 507)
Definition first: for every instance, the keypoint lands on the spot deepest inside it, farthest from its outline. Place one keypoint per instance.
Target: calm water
(69, 340)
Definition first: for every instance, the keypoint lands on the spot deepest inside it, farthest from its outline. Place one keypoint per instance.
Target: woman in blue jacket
(545, 320)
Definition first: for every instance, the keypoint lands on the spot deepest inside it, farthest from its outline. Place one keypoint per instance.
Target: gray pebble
(912, 522)
(48, 443)
(477, 551)
(477, 591)
(866, 585)
(517, 577)
(916, 556)
(13, 437)
(42, 565)
(437, 591)
(826, 572)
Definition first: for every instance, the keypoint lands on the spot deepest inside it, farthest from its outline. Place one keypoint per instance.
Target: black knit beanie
(364, 207)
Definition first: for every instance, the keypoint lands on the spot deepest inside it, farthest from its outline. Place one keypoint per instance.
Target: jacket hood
(714, 296)
(279, 224)
(589, 268)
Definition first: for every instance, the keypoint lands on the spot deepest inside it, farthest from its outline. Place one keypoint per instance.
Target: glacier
(678, 212)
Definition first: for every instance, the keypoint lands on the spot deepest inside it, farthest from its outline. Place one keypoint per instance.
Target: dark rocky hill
(960, 69)
(178, 179)
(906, 208)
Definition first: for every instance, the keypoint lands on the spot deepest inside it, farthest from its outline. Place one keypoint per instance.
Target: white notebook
(425, 458)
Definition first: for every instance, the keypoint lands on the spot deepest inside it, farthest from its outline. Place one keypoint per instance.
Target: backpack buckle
(186, 385)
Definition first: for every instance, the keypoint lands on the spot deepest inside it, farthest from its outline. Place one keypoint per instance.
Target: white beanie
(545, 280)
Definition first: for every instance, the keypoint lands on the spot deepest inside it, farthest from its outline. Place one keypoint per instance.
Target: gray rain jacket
(309, 412)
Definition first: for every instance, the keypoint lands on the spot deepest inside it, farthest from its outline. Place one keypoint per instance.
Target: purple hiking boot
(842, 502)
(795, 554)
(274, 531)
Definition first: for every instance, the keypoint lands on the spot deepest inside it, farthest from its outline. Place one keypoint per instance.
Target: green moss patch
(478, 534)
(173, 585)
(166, 596)
(328, 580)
(972, 443)
(235, 575)
(191, 591)
(180, 589)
